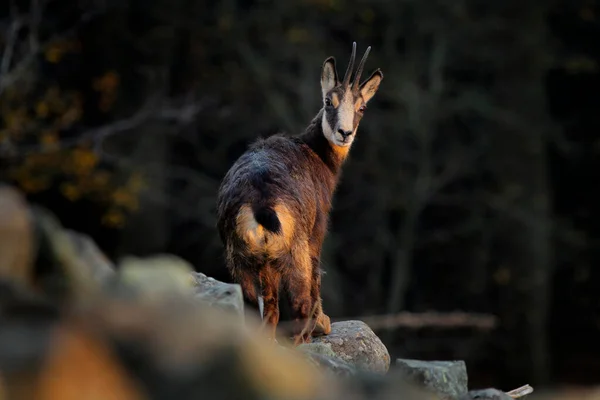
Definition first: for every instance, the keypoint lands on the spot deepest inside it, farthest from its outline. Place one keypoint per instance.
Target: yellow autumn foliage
(114, 218)
(107, 83)
(41, 109)
(125, 198)
(70, 191)
(49, 139)
(34, 120)
(53, 54)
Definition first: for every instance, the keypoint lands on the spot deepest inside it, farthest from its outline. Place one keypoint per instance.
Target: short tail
(267, 217)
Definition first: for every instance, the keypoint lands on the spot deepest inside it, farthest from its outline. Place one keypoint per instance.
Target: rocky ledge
(75, 325)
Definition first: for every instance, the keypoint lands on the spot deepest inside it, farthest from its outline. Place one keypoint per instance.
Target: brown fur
(272, 212)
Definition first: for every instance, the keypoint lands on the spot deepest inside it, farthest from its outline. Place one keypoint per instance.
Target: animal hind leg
(247, 277)
(270, 280)
(298, 282)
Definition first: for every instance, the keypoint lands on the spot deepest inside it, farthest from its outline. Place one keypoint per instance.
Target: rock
(317, 348)
(362, 384)
(486, 394)
(156, 276)
(101, 268)
(322, 355)
(332, 364)
(66, 266)
(227, 296)
(167, 274)
(129, 348)
(445, 378)
(355, 343)
(17, 237)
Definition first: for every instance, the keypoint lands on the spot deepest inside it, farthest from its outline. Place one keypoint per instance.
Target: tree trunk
(525, 218)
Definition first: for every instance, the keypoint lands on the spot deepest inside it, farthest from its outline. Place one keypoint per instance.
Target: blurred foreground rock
(355, 343)
(17, 246)
(448, 379)
(140, 349)
(73, 325)
(157, 276)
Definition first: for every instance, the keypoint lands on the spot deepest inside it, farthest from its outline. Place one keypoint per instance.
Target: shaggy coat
(274, 202)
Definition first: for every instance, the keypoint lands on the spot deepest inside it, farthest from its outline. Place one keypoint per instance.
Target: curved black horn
(350, 65)
(360, 69)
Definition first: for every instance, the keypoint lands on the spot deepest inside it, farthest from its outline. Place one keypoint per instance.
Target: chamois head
(345, 102)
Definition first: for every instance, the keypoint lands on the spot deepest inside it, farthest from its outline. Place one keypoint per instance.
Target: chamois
(273, 204)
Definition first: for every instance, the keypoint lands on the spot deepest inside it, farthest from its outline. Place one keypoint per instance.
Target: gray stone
(448, 379)
(74, 268)
(227, 296)
(360, 383)
(168, 275)
(317, 348)
(156, 276)
(332, 364)
(355, 343)
(101, 268)
(322, 354)
(486, 394)
(16, 237)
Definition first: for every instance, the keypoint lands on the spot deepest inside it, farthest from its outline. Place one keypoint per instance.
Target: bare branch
(451, 320)
(11, 76)
(34, 24)
(520, 391)
(153, 110)
(11, 43)
(276, 101)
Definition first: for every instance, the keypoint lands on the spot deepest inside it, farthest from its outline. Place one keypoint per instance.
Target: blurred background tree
(468, 187)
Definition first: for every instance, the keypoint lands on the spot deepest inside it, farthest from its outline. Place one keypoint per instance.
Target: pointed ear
(329, 76)
(370, 86)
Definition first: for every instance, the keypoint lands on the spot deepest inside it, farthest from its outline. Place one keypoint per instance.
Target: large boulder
(322, 355)
(355, 343)
(134, 348)
(448, 379)
(227, 296)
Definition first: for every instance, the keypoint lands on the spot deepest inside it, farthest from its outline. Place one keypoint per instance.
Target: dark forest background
(470, 187)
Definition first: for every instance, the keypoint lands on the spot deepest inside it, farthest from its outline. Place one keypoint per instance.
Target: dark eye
(327, 102)
(362, 108)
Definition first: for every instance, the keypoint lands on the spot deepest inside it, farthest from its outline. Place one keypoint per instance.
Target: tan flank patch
(287, 223)
(248, 229)
(260, 240)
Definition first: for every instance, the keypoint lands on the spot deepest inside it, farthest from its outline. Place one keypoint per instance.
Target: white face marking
(344, 121)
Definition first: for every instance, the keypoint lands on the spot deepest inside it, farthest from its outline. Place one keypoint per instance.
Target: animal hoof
(323, 325)
(301, 339)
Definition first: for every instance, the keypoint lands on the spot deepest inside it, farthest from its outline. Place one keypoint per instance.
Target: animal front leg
(323, 322)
